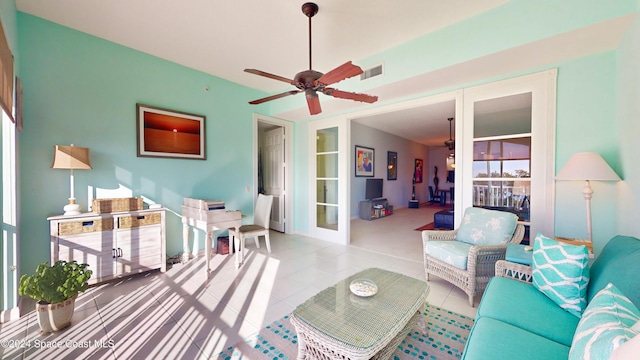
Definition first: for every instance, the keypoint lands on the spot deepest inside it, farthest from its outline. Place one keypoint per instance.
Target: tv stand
(374, 209)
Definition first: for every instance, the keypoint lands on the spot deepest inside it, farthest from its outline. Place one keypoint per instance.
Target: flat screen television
(373, 189)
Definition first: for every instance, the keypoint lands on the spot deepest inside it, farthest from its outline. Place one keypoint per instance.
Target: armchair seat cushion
(486, 227)
(523, 306)
(455, 253)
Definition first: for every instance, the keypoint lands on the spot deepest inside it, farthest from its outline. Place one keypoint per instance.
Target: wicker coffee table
(335, 324)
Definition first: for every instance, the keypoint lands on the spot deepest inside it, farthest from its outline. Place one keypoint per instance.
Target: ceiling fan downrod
(309, 9)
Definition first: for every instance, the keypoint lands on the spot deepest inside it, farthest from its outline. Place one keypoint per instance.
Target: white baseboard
(9, 315)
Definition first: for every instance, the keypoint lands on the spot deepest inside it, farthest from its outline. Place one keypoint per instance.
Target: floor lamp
(587, 166)
(71, 158)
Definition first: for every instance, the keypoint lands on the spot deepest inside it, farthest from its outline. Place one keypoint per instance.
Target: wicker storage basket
(100, 206)
(126, 222)
(81, 227)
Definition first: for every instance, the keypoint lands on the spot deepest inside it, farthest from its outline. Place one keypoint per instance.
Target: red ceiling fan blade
(273, 97)
(313, 102)
(350, 95)
(340, 73)
(270, 76)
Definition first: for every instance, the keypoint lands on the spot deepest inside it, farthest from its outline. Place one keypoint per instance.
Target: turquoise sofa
(516, 321)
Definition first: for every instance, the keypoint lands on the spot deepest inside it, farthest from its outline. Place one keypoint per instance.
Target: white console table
(195, 214)
(113, 244)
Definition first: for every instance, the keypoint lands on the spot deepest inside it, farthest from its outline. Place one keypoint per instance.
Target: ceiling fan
(451, 144)
(311, 82)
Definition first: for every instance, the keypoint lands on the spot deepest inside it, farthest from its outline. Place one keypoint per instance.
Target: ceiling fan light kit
(451, 144)
(311, 82)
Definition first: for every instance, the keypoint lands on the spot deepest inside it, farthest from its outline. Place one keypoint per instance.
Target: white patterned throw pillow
(561, 272)
(605, 326)
(486, 227)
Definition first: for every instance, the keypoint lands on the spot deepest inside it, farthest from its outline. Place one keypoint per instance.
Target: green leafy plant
(53, 284)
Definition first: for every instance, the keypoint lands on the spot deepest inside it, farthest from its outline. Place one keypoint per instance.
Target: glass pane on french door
(502, 155)
(327, 165)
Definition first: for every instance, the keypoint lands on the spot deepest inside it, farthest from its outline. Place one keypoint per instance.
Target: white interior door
(329, 213)
(274, 175)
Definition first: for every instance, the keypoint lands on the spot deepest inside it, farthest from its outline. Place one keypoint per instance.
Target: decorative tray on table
(363, 287)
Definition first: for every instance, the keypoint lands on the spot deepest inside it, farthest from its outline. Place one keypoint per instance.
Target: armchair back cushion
(561, 272)
(486, 227)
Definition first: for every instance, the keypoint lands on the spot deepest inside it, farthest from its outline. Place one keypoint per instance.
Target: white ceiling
(223, 38)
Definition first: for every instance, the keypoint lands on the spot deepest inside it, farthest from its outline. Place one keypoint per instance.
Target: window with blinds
(6, 75)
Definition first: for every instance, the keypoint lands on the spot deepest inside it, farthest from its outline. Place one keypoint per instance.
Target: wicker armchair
(480, 263)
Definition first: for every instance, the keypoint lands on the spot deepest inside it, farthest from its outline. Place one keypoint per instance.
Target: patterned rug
(429, 226)
(447, 335)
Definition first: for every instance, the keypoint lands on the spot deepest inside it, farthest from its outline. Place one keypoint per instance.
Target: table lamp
(71, 158)
(586, 166)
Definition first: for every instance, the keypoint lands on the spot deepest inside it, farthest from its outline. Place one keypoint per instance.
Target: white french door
(328, 169)
(508, 148)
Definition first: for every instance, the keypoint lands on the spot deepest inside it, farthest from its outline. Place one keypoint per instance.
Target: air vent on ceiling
(371, 72)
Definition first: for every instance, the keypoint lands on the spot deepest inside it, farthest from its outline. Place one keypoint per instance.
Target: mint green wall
(586, 121)
(83, 90)
(628, 114)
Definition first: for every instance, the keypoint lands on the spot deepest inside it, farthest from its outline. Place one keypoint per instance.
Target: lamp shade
(587, 166)
(71, 157)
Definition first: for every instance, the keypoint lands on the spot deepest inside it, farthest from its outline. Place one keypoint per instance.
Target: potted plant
(55, 289)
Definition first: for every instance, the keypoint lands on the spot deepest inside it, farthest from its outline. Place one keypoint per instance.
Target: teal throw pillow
(606, 324)
(486, 227)
(561, 272)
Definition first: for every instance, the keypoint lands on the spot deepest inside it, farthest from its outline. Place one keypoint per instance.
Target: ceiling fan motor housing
(306, 79)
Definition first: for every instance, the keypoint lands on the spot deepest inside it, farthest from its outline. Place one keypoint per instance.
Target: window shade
(6, 75)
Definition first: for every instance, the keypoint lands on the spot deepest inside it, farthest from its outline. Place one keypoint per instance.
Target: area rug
(445, 339)
(429, 226)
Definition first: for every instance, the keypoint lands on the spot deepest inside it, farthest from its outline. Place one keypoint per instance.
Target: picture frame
(392, 165)
(418, 171)
(167, 133)
(364, 161)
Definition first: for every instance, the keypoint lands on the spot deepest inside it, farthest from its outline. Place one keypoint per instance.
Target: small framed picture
(417, 175)
(392, 165)
(170, 134)
(364, 161)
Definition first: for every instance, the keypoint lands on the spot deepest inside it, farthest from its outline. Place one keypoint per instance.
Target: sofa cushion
(561, 272)
(453, 253)
(606, 324)
(491, 339)
(486, 227)
(615, 265)
(523, 306)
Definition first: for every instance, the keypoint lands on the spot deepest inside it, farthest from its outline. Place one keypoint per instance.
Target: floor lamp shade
(586, 166)
(71, 158)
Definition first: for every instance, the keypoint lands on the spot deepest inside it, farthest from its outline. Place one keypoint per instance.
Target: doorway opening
(273, 168)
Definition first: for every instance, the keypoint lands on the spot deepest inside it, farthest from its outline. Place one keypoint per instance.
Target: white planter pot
(55, 317)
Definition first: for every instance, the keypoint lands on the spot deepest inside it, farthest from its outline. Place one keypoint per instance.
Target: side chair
(260, 226)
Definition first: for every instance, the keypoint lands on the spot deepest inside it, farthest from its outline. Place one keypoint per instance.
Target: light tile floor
(185, 314)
